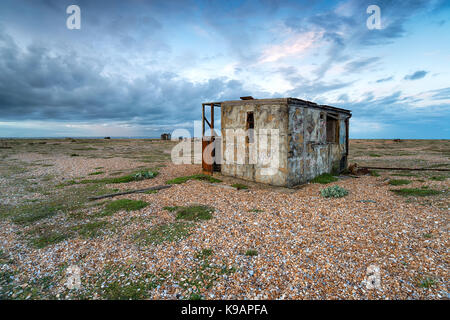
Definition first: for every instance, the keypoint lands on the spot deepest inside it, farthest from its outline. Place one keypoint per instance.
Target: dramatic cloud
(142, 67)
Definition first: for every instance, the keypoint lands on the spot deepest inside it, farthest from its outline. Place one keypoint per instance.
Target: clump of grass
(239, 186)
(201, 177)
(427, 235)
(438, 178)
(251, 253)
(151, 191)
(415, 192)
(333, 192)
(125, 283)
(27, 213)
(374, 173)
(400, 182)
(428, 282)
(91, 229)
(194, 213)
(124, 179)
(123, 204)
(170, 232)
(64, 201)
(96, 173)
(324, 178)
(374, 155)
(203, 254)
(171, 209)
(142, 175)
(48, 239)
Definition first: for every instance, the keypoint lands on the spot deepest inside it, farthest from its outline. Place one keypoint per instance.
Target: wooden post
(212, 119)
(203, 120)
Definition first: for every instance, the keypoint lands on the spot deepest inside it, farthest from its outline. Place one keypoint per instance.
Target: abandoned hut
(312, 140)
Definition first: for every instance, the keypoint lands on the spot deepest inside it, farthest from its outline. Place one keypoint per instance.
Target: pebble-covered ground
(261, 243)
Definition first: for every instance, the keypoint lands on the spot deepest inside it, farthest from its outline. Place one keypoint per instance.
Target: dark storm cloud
(34, 84)
(416, 75)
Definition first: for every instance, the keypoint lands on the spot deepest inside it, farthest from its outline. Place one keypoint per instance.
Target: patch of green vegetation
(415, 192)
(201, 177)
(98, 168)
(374, 155)
(333, 192)
(438, 178)
(170, 232)
(239, 186)
(96, 173)
(324, 178)
(123, 204)
(125, 283)
(399, 182)
(374, 173)
(194, 213)
(427, 282)
(141, 175)
(427, 235)
(48, 239)
(151, 191)
(203, 254)
(64, 201)
(91, 229)
(171, 209)
(29, 213)
(251, 253)
(256, 210)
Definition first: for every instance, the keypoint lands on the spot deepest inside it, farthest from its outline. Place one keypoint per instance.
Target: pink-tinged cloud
(294, 46)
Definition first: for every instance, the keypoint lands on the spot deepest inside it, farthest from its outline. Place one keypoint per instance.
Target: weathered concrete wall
(304, 152)
(309, 153)
(266, 116)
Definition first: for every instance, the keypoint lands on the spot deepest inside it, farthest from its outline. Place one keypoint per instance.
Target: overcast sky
(138, 68)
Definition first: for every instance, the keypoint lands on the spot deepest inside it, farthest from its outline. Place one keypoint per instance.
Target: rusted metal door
(207, 156)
